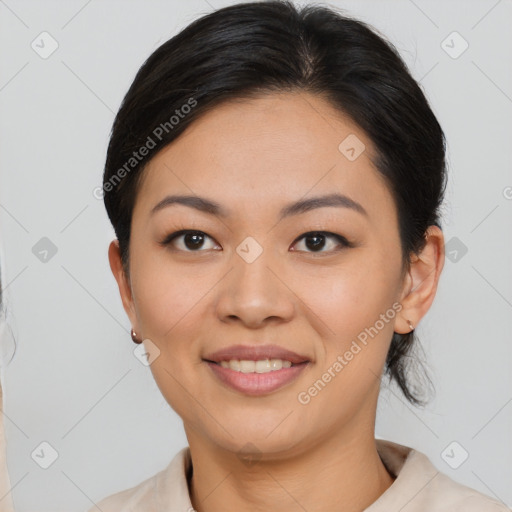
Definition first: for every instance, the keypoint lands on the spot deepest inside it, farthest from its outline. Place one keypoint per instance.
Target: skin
(253, 157)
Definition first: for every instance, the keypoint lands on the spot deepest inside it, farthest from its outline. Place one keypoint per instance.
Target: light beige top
(418, 487)
(6, 504)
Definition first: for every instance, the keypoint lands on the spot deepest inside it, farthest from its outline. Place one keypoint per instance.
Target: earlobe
(420, 284)
(116, 266)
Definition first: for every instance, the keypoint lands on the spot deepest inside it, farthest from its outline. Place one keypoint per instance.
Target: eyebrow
(304, 205)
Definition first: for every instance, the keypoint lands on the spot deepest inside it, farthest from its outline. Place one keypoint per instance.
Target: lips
(255, 353)
(254, 383)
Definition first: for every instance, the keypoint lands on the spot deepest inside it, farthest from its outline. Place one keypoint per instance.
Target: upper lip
(255, 353)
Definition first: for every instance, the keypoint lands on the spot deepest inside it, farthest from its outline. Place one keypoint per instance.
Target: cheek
(357, 308)
(168, 302)
(352, 297)
(167, 295)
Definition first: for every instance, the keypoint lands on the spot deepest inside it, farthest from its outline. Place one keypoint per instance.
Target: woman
(274, 178)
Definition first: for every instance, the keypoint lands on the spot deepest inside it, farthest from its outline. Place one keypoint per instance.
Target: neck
(339, 473)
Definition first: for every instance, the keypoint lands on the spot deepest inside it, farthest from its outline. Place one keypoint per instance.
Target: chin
(271, 439)
(248, 449)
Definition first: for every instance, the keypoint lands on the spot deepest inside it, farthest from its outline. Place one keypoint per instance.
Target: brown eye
(315, 241)
(187, 240)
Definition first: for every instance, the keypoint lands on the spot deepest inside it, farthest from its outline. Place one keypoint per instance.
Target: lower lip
(256, 383)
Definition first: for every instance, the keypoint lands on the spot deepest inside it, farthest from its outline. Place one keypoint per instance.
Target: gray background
(74, 381)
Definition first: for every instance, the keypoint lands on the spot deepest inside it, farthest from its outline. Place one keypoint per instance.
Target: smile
(260, 366)
(255, 369)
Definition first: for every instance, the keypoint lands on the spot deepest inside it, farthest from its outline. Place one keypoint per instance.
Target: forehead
(273, 149)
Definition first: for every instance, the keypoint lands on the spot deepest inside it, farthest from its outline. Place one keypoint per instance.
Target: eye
(316, 241)
(192, 241)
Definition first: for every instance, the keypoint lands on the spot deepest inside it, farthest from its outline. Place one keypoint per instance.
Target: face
(322, 281)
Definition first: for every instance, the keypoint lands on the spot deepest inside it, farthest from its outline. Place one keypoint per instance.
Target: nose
(255, 293)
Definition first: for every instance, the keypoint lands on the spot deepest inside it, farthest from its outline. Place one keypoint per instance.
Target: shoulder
(137, 498)
(420, 487)
(155, 493)
(455, 497)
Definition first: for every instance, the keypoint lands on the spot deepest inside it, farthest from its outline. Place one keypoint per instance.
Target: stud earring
(134, 337)
(410, 325)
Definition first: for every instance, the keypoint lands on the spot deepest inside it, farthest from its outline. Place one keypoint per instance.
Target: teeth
(247, 366)
(261, 366)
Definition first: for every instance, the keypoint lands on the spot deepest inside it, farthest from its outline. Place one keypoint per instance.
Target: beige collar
(418, 487)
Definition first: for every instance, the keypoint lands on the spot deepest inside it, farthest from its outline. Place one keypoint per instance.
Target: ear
(420, 284)
(123, 282)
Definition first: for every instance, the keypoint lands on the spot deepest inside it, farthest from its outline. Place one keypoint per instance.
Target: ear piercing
(410, 325)
(134, 337)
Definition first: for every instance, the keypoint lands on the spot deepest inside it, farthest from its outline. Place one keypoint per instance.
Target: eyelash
(341, 239)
